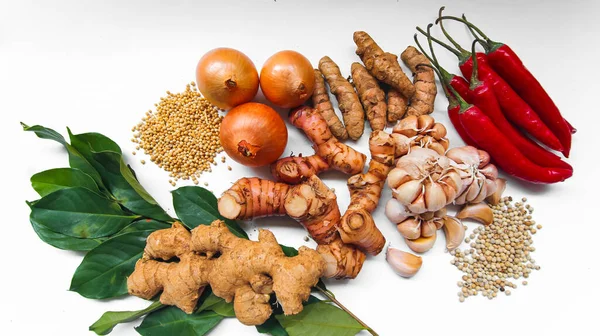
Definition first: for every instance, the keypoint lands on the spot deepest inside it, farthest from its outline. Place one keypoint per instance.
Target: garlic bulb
(424, 180)
(421, 131)
(477, 174)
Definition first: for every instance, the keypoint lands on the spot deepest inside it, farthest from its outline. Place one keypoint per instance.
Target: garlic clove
(404, 263)
(425, 122)
(407, 126)
(452, 178)
(418, 205)
(490, 187)
(438, 131)
(474, 190)
(484, 158)
(494, 198)
(421, 244)
(490, 171)
(410, 228)
(435, 198)
(461, 199)
(445, 143)
(409, 192)
(428, 228)
(483, 191)
(436, 146)
(454, 232)
(480, 212)
(397, 176)
(402, 144)
(395, 211)
(465, 154)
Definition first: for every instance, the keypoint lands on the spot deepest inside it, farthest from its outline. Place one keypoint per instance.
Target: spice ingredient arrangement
(199, 268)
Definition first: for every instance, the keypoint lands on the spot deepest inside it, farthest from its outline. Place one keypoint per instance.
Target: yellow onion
(226, 77)
(287, 79)
(253, 134)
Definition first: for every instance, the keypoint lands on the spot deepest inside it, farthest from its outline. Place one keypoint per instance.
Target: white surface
(99, 66)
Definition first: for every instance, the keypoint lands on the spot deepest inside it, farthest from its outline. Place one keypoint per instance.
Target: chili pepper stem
(454, 43)
(475, 35)
(492, 45)
(461, 56)
(474, 82)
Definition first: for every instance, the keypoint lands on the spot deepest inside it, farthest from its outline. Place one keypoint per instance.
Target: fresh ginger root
(396, 102)
(322, 104)
(381, 65)
(245, 271)
(311, 203)
(330, 153)
(352, 112)
(295, 169)
(371, 96)
(424, 82)
(357, 225)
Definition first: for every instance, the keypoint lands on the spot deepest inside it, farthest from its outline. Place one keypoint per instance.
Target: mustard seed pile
(182, 135)
(498, 253)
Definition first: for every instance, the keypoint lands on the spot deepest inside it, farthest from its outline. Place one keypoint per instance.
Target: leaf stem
(332, 298)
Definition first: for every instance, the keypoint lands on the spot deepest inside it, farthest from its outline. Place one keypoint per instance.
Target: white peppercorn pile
(499, 252)
(182, 135)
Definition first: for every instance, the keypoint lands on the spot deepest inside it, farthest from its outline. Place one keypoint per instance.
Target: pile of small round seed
(182, 135)
(499, 252)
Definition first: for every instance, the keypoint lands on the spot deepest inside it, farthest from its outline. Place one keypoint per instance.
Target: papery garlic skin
(424, 180)
(477, 174)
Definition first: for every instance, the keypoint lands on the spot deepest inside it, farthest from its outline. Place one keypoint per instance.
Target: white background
(98, 66)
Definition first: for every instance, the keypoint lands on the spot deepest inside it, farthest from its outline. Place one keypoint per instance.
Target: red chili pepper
(509, 66)
(515, 108)
(505, 154)
(482, 95)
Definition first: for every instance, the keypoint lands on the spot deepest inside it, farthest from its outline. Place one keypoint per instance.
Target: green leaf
(52, 180)
(272, 327)
(196, 205)
(105, 155)
(76, 160)
(79, 213)
(320, 319)
(45, 133)
(289, 251)
(62, 241)
(110, 319)
(218, 305)
(145, 225)
(104, 270)
(173, 321)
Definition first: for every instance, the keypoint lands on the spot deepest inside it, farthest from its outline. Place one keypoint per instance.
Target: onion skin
(287, 79)
(253, 134)
(227, 77)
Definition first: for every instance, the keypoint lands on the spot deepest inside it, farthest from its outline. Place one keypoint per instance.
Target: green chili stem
(454, 43)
